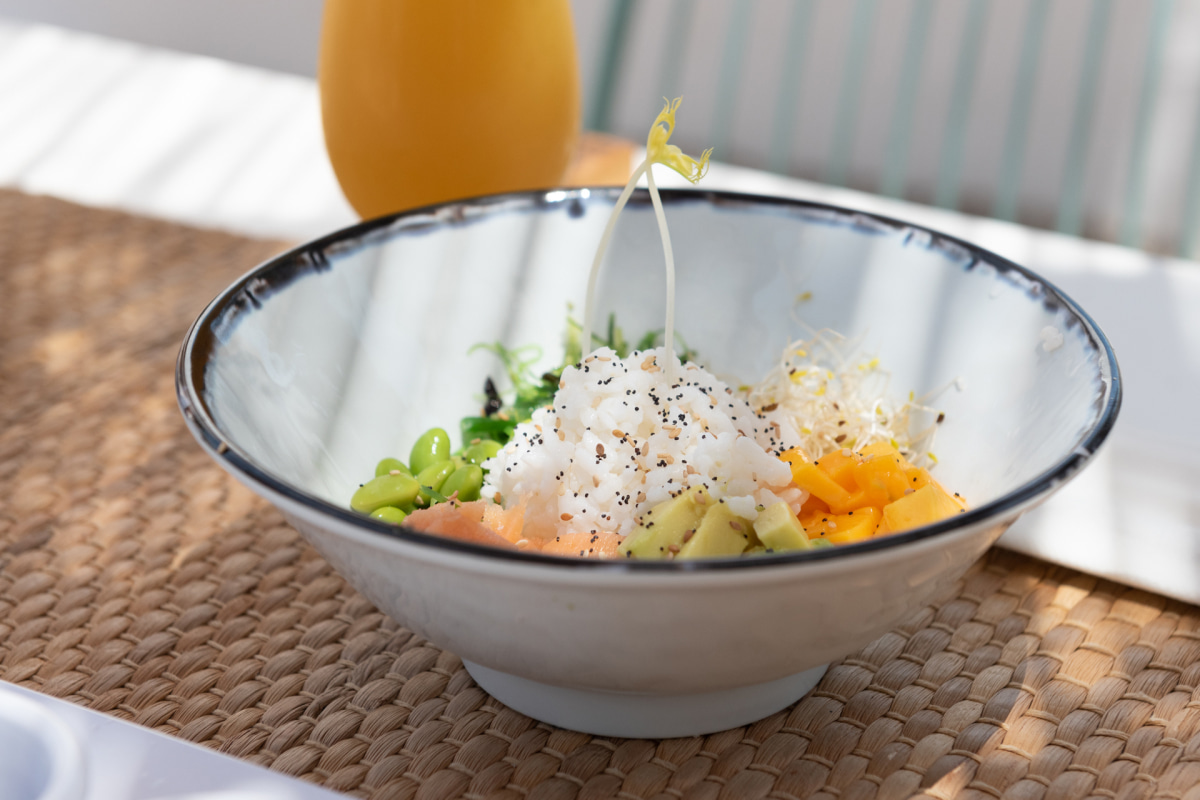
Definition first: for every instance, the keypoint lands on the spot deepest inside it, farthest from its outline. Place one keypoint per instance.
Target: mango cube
(815, 481)
(927, 505)
(853, 526)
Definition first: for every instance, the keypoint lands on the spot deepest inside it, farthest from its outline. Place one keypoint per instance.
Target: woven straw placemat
(138, 579)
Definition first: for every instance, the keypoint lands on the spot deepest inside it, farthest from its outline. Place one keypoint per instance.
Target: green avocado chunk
(721, 533)
(666, 525)
(778, 529)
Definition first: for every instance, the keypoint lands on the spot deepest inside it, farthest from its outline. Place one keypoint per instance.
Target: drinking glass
(424, 101)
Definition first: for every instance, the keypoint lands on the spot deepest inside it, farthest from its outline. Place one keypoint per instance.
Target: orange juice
(424, 101)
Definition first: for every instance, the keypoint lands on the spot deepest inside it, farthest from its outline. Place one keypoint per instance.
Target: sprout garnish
(658, 151)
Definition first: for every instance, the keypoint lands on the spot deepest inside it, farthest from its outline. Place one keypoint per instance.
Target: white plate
(53, 750)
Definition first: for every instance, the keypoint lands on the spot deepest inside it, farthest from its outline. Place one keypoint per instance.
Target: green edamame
(389, 514)
(433, 476)
(432, 447)
(481, 451)
(466, 482)
(386, 490)
(388, 465)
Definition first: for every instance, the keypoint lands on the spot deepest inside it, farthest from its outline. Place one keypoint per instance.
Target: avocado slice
(778, 529)
(665, 526)
(721, 533)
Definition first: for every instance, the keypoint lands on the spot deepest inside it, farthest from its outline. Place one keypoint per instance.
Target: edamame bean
(467, 481)
(432, 447)
(386, 490)
(386, 466)
(481, 451)
(389, 514)
(433, 476)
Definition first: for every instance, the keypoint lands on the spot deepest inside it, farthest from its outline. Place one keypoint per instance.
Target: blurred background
(1074, 115)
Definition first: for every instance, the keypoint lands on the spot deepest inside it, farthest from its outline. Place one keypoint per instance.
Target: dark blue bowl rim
(189, 383)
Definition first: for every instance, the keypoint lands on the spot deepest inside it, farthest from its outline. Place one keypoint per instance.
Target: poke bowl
(311, 368)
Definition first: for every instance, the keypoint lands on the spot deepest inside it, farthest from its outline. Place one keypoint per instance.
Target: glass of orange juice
(424, 101)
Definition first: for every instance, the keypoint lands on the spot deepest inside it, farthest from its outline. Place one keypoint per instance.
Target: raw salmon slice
(589, 545)
(464, 523)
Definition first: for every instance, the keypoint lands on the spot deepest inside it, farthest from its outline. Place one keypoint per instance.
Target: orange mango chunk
(795, 456)
(927, 505)
(840, 465)
(853, 526)
(882, 478)
(856, 525)
(884, 449)
(813, 480)
(814, 524)
(917, 478)
(814, 505)
(872, 492)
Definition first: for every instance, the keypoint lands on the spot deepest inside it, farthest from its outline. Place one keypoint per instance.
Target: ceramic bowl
(309, 369)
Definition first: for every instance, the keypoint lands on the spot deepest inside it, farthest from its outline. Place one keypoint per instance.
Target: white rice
(619, 440)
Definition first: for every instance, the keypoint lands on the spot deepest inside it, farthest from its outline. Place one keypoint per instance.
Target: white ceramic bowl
(313, 366)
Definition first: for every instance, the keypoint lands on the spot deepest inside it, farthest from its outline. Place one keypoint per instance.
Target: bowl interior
(342, 352)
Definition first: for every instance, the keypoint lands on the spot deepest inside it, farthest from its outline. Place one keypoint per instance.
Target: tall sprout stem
(669, 257)
(589, 304)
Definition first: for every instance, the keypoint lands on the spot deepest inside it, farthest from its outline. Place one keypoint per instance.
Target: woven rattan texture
(136, 578)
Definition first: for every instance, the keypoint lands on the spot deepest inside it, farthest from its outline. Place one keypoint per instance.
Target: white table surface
(213, 144)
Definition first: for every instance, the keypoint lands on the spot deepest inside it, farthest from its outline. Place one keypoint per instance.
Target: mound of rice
(619, 440)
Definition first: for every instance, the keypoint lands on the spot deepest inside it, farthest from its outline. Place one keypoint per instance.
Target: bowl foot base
(644, 716)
